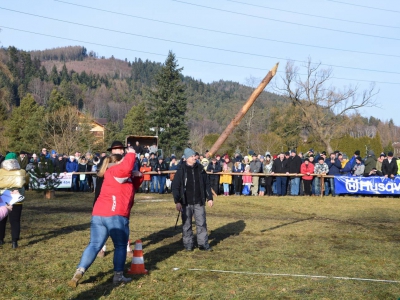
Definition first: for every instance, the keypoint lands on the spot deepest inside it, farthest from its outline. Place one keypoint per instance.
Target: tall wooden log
(236, 120)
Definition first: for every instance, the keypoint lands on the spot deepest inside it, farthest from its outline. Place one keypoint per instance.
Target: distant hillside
(98, 66)
(109, 88)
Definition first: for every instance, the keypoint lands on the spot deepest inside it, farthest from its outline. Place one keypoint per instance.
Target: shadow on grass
(59, 231)
(286, 224)
(226, 231)
(157, 255)
(158, 236)
(62, 209)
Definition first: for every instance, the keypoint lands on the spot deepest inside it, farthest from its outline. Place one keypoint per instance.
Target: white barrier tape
(299, 275)
(138, 260)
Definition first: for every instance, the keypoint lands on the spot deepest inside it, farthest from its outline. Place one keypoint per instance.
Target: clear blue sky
(279, 25)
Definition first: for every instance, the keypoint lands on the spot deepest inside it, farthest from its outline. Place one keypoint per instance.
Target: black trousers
(307, 187)
(214, 182)
(268, 187)
(15, 221)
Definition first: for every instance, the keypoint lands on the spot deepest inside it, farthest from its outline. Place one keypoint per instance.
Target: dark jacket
(152, 163)
(214, 169)
(179, 184)
(161, 167)
(389, 168)
(334, 168)
(280, 166)
(294, 164)
(83, 168)
(23, 163)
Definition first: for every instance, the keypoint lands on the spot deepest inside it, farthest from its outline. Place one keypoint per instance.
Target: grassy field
(263, 241)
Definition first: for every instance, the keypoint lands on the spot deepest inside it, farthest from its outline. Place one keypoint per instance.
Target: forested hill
(107, 88)
(110, 87)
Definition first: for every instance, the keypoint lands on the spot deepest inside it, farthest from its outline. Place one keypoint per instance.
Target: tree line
(180, 109)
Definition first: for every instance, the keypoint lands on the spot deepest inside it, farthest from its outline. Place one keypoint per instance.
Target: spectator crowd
(262, 175)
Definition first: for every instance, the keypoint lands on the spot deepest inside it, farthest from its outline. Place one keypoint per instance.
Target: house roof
(101, 121)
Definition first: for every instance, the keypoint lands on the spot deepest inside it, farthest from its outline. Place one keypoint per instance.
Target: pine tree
(168, 105)
(56, 101)
(24, 125)
(136, 121)
(54, 76)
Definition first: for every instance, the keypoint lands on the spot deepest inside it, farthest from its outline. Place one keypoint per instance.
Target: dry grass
(345, 236)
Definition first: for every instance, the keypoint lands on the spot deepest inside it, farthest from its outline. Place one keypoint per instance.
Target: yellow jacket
(226, 178)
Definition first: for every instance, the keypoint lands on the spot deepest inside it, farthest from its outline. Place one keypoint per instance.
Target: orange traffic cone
(137, 266)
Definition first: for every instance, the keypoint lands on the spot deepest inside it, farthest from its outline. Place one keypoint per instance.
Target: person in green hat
(14, 216)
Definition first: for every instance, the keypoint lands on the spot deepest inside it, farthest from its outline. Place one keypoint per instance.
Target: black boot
(14, 245)
(1, 242)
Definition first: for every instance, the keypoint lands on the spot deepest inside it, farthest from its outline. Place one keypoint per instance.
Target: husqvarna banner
(375, 185)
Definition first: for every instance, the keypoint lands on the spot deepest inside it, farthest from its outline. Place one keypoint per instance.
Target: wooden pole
(235, 122)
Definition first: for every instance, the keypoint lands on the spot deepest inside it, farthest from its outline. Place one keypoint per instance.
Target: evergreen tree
(64, 74)
(54, 76)
(24, 125)
(136, 121)
(56, 101)
(112, 133)
(168, 105)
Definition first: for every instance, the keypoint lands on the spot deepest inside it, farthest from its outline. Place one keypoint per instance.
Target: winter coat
(379, 165)
(145, 169)
(238, 167)
(321, 168)
(226, 178)
(71, 166)
(161, 167)
(255, 166)
(268, 167)
(247, 179)
(389, 168)
(334, 168)
(82, 168)
(304, 169)
(214, 168)
(22, 162)
(358, 169)
(180, 180)
(294, 164)
(152, 163)
(280, 166)
(370, 163)
(118, 189)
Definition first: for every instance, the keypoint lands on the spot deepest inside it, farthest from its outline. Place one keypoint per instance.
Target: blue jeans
(226, 187)
(274, 191)
(281, 185)
(161, 181)
(83, 185)
(295, 186)
(329, 186)
(74, 183)
(100, 229)
(145, 186)
(317, 185)
(154, 184)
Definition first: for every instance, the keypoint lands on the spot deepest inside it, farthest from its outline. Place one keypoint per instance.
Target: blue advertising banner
(374, 185)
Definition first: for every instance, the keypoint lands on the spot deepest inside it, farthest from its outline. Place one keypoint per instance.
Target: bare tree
(66, 131)
(325, 109)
